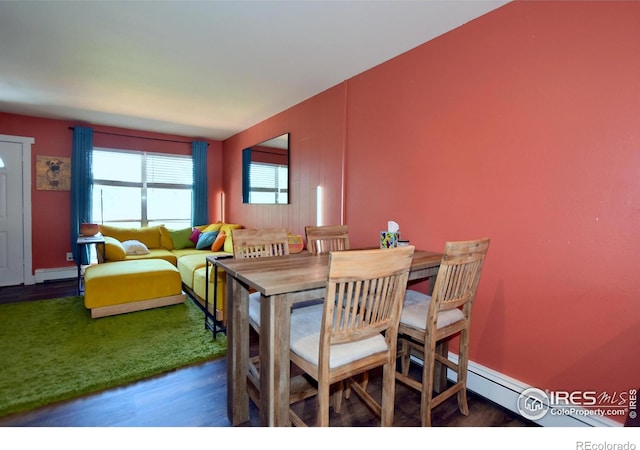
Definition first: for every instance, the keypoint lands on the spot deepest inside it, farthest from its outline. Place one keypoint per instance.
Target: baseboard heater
(504, 391)
(60, 273)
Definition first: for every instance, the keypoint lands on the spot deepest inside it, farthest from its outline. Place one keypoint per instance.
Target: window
(268, 183)
(133, 189)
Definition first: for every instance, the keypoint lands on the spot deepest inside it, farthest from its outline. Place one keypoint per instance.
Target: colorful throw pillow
(150, 236)
(165, 238)
(213, 227)
(113, 249)
(206, 239)
(180, 238)
(219, 242)
(195, 235)
(296, 244)
(134, 247)
(228, 243)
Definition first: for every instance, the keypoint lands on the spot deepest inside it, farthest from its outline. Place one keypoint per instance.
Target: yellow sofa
(174, 246)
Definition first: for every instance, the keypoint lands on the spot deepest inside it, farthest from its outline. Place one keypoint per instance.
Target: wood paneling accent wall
(316, 151)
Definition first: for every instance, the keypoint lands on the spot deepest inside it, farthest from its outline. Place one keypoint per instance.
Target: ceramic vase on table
(89, 229)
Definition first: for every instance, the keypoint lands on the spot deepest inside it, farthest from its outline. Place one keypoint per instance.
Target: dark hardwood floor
(196, 397)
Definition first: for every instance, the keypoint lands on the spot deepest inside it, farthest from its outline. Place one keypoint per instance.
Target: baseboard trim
(504, 391)
(60, 273)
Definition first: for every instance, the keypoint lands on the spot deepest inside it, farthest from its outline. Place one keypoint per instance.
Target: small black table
(210, 320)
(81, 243)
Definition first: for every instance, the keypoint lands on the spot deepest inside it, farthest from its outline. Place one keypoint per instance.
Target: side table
(210, 321)
(81, 243)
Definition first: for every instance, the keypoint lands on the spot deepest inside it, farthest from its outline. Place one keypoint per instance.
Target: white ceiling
(204, 69)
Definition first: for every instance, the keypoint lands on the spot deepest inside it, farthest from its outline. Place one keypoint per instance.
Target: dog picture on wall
(53, 173)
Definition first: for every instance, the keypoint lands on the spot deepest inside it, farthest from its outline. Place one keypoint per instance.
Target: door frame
(27, 271)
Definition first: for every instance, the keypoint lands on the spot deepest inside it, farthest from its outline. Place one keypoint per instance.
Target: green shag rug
(52, 350)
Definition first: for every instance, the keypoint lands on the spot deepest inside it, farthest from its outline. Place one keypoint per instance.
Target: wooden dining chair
(327, 238)
(257, 243)
(356, 327)
(427, 323)
(324, 239)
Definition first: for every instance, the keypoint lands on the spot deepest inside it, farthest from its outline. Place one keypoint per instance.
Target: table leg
(78, 262)
(237, 351)
(442, 348)
(275, 319)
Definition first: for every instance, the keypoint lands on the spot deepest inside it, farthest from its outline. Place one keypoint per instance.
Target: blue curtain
(81, 186)
(199, 195)
(246, 174)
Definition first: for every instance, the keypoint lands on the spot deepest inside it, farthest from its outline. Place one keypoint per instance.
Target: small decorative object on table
(390, 238)
(296, 244)
(89, 229)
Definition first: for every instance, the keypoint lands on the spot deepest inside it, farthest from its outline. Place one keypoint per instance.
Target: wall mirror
(265, 172)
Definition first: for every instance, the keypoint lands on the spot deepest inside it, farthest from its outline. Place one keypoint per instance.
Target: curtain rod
(140, 137)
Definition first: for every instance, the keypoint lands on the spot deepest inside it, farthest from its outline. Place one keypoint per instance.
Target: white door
(11, 220)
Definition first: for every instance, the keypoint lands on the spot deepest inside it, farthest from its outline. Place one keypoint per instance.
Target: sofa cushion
(213, 227)
(129, 281)
(188, 264)
(180, 238)
(228, 242)
(155, 253)
(165, 238)
(113, 249)
(149, 236)
(199, 286)
(206, 239)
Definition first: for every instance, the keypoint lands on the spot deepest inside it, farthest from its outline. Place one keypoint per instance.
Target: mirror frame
(249, 154)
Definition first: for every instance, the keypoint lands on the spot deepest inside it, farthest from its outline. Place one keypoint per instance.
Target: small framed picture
(53, 173)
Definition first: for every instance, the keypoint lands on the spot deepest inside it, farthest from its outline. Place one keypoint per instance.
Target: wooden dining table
(283, 281)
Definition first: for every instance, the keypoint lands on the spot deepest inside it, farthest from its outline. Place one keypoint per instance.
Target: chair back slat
(365, 292)
(258, 243)
(459, 274)
(327, 238)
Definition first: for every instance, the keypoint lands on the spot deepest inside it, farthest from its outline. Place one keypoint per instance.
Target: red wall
(51, 209)
(522, 126)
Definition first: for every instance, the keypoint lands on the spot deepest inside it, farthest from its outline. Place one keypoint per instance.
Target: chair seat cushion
(416, 308)
(254, 307)
(305, 339)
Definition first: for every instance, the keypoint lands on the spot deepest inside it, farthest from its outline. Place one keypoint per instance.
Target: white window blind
(134, 188)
